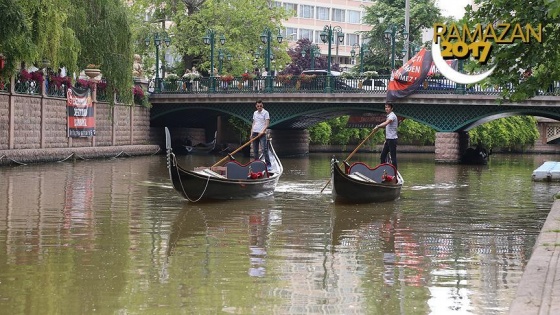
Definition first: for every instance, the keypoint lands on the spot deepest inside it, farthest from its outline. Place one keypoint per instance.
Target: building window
(352, 39)
(305, 33)
(306, 11)
(338, 15)
(291, 8)
(354, 17)
(322, 13)
(277, 4)
(291, 33)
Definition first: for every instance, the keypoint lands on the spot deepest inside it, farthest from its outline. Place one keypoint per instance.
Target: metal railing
(319, 84)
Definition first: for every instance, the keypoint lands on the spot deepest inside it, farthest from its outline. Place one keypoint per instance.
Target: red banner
(79, 109)
(409, 77)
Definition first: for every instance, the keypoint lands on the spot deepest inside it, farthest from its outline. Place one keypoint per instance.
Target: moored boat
(202, 147)
(360, 183)
(233, 180)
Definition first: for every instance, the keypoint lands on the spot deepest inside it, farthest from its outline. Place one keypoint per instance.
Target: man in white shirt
(390, 146)
(261, 120)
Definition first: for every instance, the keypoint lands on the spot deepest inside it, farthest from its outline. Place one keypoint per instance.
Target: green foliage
(102, 28)
(412, 132)
(241, 126)
(511, 133)
(422, 15)
(71, 34)
(320, 133)
(540, 60)
(241, 22)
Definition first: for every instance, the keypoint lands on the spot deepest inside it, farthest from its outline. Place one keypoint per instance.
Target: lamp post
(266, 38)
(221, 55)
(209, 40)
(353, 54)
(390, 33)
(157, 43)
(327, 35)
(314, 52)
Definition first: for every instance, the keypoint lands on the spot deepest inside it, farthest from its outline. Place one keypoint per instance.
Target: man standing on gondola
(261, 120)
(390, 146)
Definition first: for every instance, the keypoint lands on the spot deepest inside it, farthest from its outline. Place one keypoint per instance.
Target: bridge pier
(290, 142)
(450, 146)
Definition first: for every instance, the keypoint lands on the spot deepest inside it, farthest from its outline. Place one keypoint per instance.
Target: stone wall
(33, 128)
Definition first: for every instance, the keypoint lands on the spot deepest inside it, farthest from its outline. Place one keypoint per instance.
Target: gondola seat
(375, 174)
(236, 170)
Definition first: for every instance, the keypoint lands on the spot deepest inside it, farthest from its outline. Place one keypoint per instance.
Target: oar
(236, 150)
(351, 154)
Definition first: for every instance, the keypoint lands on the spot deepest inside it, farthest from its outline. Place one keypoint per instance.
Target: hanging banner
(409, 77)
(368, 120)
(81, 122)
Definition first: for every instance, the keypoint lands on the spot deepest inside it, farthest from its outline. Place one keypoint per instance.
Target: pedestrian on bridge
(261, 120)
(390, 145)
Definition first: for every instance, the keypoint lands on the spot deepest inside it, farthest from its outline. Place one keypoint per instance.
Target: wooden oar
(237, 150)
(351, 154)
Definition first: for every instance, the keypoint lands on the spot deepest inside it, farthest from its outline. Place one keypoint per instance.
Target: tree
(511, 133)
(241, 22)
(300, 63)
(523, 68)
(71, 34)
(391, 12)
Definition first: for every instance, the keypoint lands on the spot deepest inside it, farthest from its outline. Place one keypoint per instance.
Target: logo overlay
(475, 43)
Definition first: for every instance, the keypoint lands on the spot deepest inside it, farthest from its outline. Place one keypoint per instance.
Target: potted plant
(227, 78)
(92, 70)
(248, 76)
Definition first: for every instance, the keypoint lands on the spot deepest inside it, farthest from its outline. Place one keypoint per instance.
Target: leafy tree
(523, 68)
(300, 63)
(320, 133)
(241, 22)
(412, 132)
(391, 12)
(511, 133)
(71, 34)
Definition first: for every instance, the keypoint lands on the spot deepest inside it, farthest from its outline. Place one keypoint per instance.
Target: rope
(183, 187)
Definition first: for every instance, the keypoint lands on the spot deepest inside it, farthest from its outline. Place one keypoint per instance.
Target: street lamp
(390, 33)
(327, 35)
(221, 55)
(157, 42)
(314, 52)
(209, 40)
(353, 54)
(266, 38)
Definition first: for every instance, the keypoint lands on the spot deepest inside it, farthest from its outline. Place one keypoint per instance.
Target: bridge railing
(320, 84)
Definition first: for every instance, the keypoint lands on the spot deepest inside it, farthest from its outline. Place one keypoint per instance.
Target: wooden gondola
(202, 147)
(233, 180)
(358, 183)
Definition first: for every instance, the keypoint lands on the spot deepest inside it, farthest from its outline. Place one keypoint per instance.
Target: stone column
(449, 146)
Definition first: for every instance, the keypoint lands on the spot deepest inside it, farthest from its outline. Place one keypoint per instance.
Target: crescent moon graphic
(453, 75)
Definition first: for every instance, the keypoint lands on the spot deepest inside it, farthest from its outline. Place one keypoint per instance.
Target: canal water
(113, 237)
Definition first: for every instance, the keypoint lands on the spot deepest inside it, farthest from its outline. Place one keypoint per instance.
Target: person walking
(261, 120)
(390, 145)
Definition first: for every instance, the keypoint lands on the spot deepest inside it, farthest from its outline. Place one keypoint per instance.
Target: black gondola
(231, 181)
(202, 147)
(358, 183)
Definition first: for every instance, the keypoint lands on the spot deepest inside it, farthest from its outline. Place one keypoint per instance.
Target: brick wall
(39, 122)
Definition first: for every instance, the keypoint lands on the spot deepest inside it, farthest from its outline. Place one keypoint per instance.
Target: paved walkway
(539, 289)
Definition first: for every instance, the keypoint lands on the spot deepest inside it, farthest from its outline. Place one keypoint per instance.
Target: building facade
(311, 16)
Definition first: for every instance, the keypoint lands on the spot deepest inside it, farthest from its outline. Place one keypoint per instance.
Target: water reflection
(455, 242)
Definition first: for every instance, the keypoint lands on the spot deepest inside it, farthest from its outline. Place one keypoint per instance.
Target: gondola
(202, 147)
(358, 183)
(233, 180)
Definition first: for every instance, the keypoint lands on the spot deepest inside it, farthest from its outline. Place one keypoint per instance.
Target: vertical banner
(410, 76)
(81, 122)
